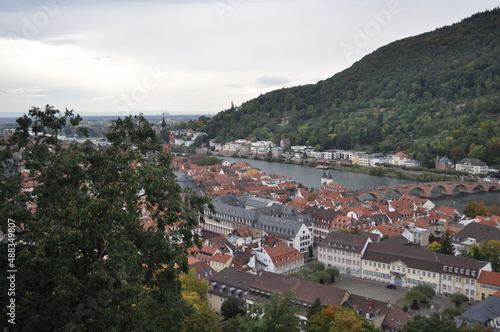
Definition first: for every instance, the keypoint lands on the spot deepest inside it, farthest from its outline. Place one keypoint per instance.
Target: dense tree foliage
(458, 299)
(277, 314)
(431, 95)
(231, 308)
(475, 209)
(487, 252)
(447, 246)
(435, 323)
(85, 259)
(316, 272)
(419, 293)
(333, 318)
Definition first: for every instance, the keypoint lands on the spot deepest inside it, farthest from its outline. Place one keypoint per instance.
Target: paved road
(379, 291)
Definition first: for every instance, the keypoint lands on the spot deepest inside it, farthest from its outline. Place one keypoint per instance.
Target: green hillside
(433, 94)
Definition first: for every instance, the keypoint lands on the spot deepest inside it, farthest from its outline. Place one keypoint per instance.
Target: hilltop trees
(87, 260)
(420, 95)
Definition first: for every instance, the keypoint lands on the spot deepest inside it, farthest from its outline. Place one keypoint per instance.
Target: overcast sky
(192, 56)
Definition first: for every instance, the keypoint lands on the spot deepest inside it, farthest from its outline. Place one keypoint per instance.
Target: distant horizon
(15, 115)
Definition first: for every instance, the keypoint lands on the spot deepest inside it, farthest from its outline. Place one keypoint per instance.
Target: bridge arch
(426, 189)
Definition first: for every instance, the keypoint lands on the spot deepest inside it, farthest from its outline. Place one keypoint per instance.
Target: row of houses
(407, 264)
(248, 289)
(298, 153)
(400, 260)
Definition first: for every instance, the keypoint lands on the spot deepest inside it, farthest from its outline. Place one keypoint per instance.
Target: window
(445, 268)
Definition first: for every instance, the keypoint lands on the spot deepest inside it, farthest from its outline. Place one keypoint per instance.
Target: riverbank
(311, 177)
(398, 173)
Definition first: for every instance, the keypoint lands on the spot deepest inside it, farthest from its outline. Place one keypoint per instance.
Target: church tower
(165, 136)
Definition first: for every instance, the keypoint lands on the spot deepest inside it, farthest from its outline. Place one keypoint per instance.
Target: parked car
(391, 286)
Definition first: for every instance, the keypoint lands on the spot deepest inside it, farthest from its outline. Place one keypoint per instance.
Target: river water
(311, 177)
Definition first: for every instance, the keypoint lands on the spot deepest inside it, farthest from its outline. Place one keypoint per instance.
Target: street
(379, 291)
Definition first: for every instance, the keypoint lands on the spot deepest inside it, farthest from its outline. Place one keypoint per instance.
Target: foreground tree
(89, 259)
(458, 299)
(231, 308)
(447, 246)
(419, 293)
(434, 323)
(277, 314)
(194, 291)
(333, 318)
(314, 309)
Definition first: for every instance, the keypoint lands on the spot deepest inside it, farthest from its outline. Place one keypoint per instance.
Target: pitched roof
(348, 242)
(395, 319)
(490, 278)
(365, 305)
(304, 291)
(413, 255)
(221, 258)
(281, 253)
(484, 311)
(482, 233)
(234, 278)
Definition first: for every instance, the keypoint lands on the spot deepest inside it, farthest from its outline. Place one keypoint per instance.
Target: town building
(400, 262)
(344, 251)
(471, 165)
(488, 284)
(444, 163)
(278, 257)
(269, 216)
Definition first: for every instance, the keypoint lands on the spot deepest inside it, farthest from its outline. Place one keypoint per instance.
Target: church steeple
(163, 123)
(165, 135)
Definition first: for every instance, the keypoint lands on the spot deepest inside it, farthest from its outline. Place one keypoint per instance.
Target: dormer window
(461, 271)
(445, 268)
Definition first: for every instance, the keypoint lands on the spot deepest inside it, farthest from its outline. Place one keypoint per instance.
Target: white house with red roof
(399, 158)
(278, 258)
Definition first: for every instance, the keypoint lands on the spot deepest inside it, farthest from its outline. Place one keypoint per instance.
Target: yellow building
(397, 261)
(220, 261)
(487, 284)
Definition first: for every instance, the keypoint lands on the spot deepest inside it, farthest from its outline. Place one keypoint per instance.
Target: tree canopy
(94, 253)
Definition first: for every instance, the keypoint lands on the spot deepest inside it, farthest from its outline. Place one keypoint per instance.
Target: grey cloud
(268, 81)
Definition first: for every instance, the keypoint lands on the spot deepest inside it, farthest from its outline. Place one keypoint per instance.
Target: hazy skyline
(192, 57)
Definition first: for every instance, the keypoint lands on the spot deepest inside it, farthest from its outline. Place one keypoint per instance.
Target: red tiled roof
(490, 278)
(281, 253)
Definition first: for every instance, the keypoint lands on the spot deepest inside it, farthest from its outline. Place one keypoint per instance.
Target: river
(311, 177)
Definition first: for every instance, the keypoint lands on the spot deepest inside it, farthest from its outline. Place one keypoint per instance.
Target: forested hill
(433, 94)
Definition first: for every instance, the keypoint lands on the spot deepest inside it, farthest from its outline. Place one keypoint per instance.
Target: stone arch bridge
(425, 189)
